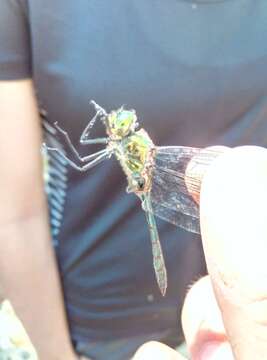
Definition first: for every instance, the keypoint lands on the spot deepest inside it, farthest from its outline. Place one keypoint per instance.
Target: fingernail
(215, 351)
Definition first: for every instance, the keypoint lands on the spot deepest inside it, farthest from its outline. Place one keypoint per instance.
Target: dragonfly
(156, 174)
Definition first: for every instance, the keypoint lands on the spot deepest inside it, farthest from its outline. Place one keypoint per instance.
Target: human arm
(28, 270)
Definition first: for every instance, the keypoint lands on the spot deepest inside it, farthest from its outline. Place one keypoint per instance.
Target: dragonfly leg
(100, 114)
(98, 108)
(94, 141)
(95, 158)
(72, 147)
(96, 161)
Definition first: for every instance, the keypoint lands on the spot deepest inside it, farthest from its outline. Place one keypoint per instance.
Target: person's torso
(196, 75)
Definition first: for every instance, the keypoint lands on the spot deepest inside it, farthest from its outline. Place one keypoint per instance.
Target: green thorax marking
(136, 155)
(137, 148)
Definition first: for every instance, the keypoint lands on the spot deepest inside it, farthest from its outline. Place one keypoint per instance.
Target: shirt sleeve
(15, 58)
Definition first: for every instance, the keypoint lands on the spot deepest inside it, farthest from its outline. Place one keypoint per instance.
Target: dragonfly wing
(170, 198)
(177, 218)
(158, 259)
(169, 189)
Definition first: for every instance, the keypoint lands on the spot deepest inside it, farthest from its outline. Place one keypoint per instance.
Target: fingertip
(201, 317)
(156, 351)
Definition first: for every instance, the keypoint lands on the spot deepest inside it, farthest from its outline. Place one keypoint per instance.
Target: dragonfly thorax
(136, 154)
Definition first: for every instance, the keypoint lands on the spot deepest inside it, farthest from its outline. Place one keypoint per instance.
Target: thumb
(234, 231)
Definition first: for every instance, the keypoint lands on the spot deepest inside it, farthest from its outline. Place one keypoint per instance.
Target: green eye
(121, 122)
(125, 118)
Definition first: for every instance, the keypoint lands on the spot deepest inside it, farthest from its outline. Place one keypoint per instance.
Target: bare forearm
(28, 272)
(29, 277)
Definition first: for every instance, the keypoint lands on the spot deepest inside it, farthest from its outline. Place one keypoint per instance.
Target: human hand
(225, 314)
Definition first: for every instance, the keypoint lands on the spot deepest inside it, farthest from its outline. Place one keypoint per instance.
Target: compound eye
(126, 119)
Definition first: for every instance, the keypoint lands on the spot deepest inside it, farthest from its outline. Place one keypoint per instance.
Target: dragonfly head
(121, 123)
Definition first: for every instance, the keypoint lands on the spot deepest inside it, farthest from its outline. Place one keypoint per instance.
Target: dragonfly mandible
(156, 174)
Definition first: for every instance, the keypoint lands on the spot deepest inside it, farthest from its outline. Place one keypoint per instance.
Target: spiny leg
(72, 147)
(96, 161)
(100, 114)
(94, 141)
(158, 259)
(96, 158)
(99, 108)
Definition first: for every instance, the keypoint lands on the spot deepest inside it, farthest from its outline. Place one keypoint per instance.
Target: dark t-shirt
(196, 75)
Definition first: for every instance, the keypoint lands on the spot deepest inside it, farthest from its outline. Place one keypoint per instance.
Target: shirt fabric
(196, 73)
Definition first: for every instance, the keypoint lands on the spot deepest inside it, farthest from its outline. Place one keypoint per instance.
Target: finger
(202, 324)
(156, 351)
(234, 230)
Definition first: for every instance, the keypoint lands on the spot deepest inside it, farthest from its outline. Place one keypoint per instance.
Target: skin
(225, 314)
(28, 271)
